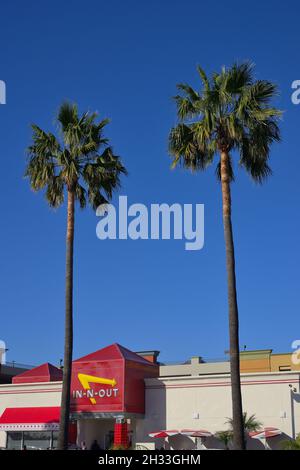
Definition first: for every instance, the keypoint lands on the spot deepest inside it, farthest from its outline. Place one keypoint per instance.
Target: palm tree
(231, 114)
(291, 444)
(251, 424)
(225, 437)
(79, 163)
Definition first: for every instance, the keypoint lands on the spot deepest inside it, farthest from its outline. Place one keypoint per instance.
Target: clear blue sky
(124, 60)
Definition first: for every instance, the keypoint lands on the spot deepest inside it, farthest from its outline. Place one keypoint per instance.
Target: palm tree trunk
(67, 372)
(237, 411)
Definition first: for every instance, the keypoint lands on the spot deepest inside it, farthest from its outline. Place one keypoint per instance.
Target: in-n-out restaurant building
(119, 396)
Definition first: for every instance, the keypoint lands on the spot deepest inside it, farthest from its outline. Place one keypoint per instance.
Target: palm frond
(55, 192)
(203, 78)
(251, 423)
(186, 148)
(67, 115)
(80, 195)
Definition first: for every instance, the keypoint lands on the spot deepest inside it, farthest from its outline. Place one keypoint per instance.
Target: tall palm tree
(231, 114)
(80, 164)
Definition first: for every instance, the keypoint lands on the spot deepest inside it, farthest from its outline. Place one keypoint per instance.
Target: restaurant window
(32, 440)
(37, 440)
(14, 440)
(54, 439)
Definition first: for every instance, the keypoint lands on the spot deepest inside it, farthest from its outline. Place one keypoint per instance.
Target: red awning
(37, 418)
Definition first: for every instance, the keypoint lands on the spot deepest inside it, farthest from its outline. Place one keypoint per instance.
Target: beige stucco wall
(27, 395)
(194, 368)
(205, 403)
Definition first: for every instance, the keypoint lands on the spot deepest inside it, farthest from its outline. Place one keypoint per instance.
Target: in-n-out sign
(90, 393)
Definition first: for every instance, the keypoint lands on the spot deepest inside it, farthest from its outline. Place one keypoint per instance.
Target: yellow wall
(255, 365)
(283, 360)
(265, 361)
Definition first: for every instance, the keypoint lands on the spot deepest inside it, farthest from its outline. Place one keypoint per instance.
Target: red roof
(30, 418)
(43, 373)
(113, 352)
(118, 366)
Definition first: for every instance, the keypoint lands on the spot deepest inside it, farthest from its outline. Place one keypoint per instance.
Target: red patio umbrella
(164, 433)
(196, 433)
(264, 434)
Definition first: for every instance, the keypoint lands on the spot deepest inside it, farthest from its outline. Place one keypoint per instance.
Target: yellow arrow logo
(85, 381)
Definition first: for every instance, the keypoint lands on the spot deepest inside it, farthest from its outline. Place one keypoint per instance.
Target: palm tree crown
(81, 160)
(231, 112)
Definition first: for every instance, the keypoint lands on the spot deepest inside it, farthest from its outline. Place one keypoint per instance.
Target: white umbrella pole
(267, 447)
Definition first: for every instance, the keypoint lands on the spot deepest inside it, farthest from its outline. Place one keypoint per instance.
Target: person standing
(95, 445)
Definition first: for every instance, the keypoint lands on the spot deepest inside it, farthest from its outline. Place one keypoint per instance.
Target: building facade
(121, 397)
